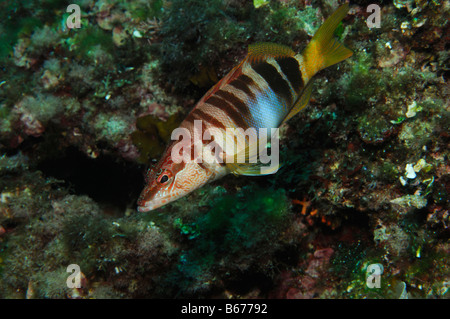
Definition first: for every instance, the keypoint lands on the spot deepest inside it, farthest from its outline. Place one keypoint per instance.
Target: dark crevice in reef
(248, 281)
(113, 184)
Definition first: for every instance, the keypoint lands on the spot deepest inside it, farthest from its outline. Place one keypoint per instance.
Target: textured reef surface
(365, 180)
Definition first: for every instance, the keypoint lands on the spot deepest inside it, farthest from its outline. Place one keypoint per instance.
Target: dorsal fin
(234, 73)
(259, 52)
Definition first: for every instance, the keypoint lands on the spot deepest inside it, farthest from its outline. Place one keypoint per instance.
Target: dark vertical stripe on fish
(192, 151)
(228, 109)
(248, 80)
(204, 128)
(274, 79)
(220, 150)
(199, 114)
(242, 85)
(179, 166)
(291, 69)
(236, 102)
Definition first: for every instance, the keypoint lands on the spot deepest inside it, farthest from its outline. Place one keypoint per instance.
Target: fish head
(169, 181)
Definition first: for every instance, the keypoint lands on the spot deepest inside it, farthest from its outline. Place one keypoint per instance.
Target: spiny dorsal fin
(259, 52)
(234, 73)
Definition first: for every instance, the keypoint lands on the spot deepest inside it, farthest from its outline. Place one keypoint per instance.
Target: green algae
(387, 171)
(247, 221)
(12, 31)
(11, 164)
(85, 230)
(145, 10)
(43, 107)
(243, 219)
(374, 129)
(87, 38)
(361, 84)
(111, 127)
(240, 220)
(183, 55)
(348, 258)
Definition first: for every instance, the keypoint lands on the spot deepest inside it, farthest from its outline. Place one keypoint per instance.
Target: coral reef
(365, 178)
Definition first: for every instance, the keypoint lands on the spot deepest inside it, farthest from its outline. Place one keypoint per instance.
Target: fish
(266, 89)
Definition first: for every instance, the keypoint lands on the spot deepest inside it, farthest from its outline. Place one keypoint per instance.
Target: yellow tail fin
(324, 50)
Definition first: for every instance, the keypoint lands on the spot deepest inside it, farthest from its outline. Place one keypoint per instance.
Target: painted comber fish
(266, 89)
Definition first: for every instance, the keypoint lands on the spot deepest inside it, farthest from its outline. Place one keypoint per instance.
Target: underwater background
(84, 112)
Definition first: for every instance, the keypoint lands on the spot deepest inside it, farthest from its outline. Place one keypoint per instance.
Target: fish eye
(164, 176)
(164, 179)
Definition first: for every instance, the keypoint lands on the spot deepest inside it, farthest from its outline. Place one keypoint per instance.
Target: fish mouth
(146, 206)
(144, 209)
(149, 201)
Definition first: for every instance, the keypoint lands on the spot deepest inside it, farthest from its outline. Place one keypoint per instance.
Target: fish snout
(145, 201)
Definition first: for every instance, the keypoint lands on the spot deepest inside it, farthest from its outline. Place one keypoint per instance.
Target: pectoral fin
(247, 162)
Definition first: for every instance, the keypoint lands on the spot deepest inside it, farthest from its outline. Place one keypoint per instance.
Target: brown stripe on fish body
(258, 84)
(244, 83)
(275, 80)
(219, 150)
(239, 104)
(192, 148)
(207, 122)
(291, 69)
(217, 107)
(202, 166)
(228, 109)
(219, 115)
(179, 166)
(190, 117)
(209, 119)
